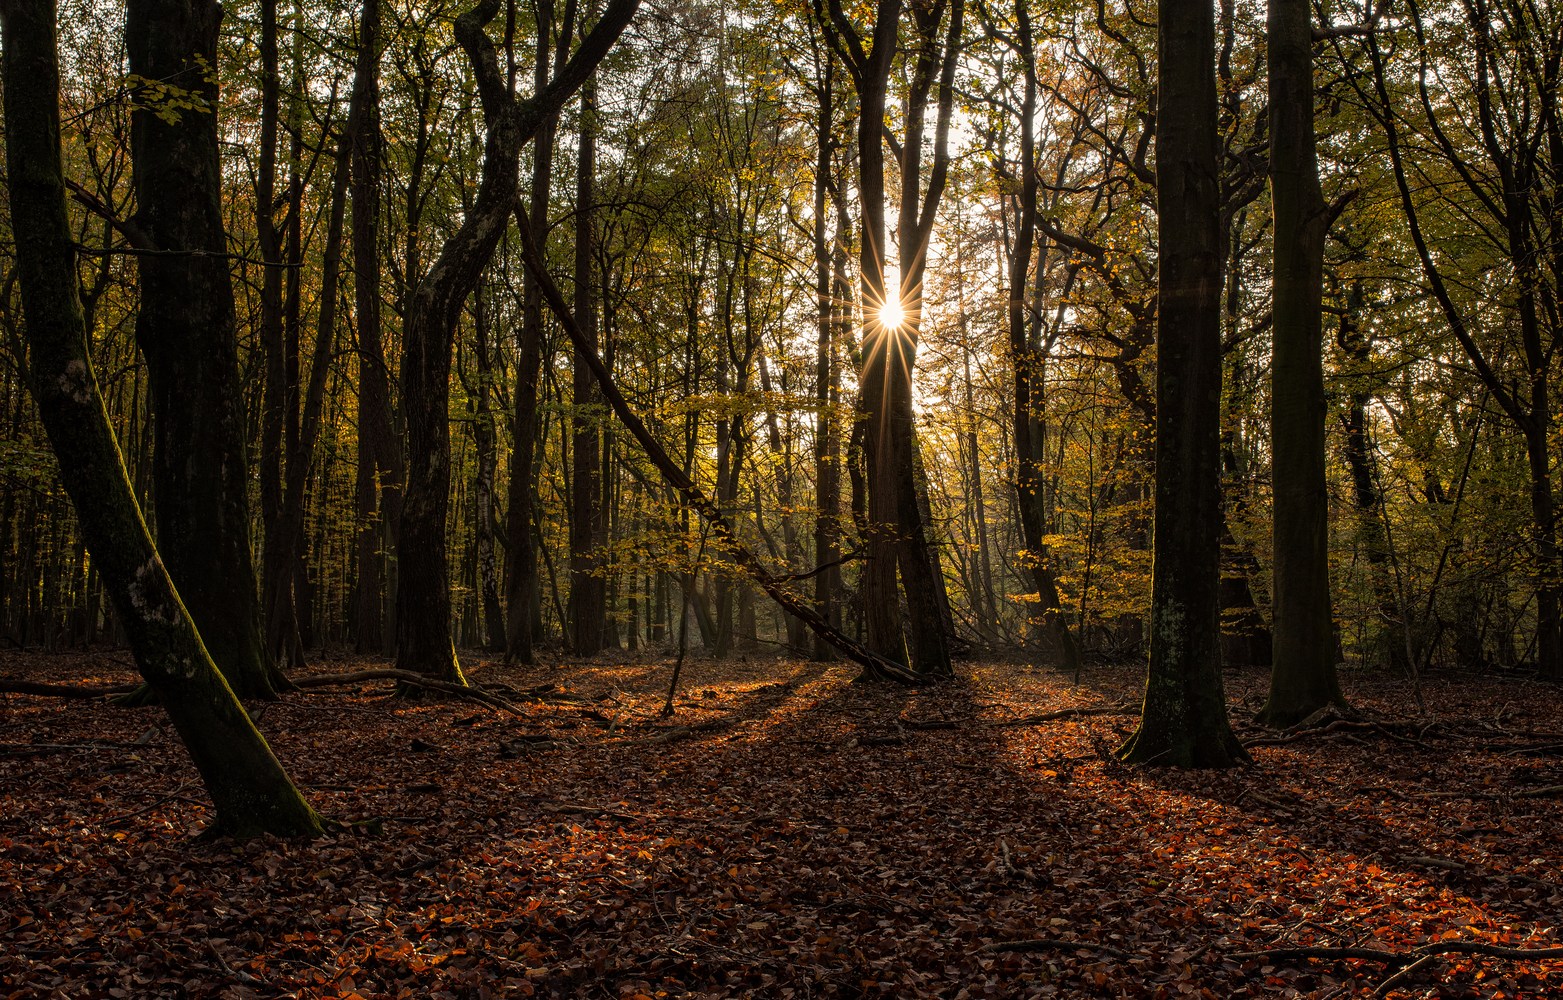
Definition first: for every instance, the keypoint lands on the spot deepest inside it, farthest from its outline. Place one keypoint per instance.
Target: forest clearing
(787, 833)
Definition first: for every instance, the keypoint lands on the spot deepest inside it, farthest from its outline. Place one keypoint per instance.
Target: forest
(781, 498)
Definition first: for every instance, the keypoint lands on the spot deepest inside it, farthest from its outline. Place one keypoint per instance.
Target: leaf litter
(787, 833)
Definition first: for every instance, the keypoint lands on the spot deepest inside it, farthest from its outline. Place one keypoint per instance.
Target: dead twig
(1450, 865)
(1542, 792)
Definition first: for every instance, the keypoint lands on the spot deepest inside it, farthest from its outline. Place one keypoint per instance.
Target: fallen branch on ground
(674, 734)
(43, 690)
(1543, 792)
(1450, 865)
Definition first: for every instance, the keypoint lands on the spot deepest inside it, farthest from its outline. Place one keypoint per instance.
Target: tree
(1500, 160)
(827, 377)
(423, 594)
(185, 328)
(379, 468)
(897, 535)
(1027, 362)
(1302, 678)
(521, 579)
(588, 587)
(250, 790)
(1183, 721)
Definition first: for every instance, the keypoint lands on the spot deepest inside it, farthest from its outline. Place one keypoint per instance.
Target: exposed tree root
(416, 680)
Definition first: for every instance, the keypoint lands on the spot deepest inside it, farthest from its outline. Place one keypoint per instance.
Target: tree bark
(379, 472)
(588, 588)
(1302, 675)
(522, 584)
(1183, 721)
(186, 331)
(251, 792)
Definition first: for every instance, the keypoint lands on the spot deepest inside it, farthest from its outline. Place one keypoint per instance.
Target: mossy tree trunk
(186, 332)
(1183, 722)
(251, 791)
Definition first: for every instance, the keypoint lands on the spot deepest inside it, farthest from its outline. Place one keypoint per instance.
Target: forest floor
(787, 834)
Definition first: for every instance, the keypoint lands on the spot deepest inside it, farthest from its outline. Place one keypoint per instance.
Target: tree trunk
(1302, 675)
(251, 792)
(1389, 639)
(423, 592)
(186, 331)
(881, 600)
(379, 473)
(483, 490)
(827, 438)
(284, 545)
(276, 581)
(1183, 721)
(522, 584)
(588, 590)
(1029, 370)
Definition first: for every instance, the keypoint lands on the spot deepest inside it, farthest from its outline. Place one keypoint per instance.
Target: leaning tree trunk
(185, 329)
(1183, 721)
(1302, 674)
(250, 790)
